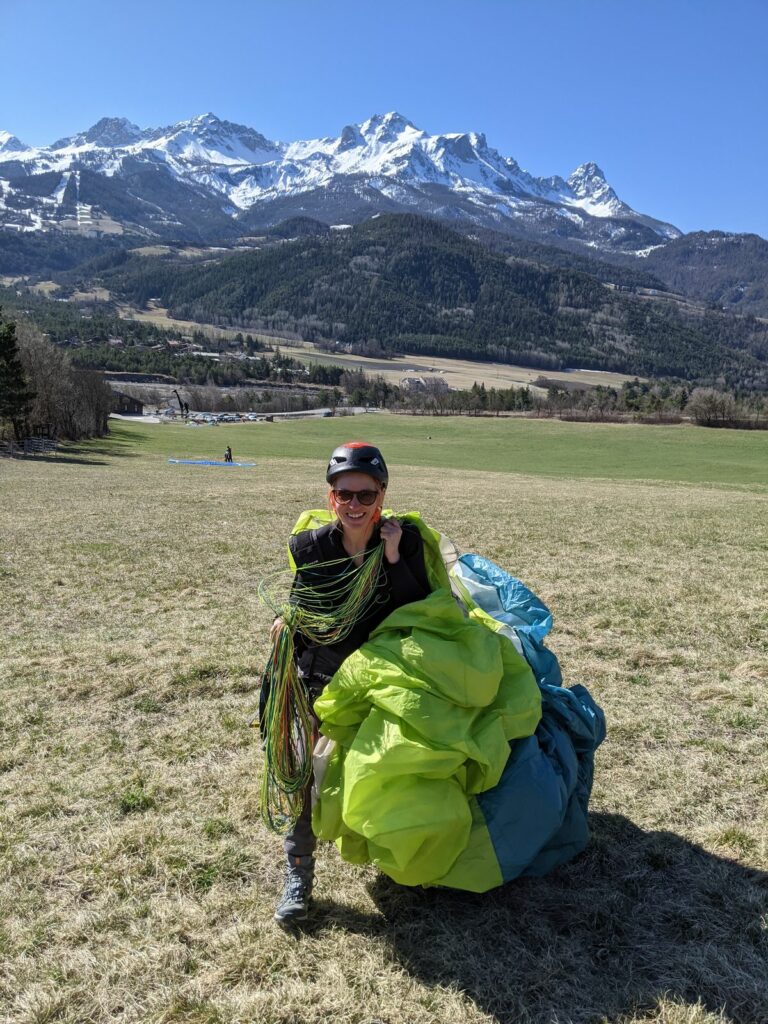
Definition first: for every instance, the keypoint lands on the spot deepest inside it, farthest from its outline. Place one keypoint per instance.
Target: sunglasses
(364, 497)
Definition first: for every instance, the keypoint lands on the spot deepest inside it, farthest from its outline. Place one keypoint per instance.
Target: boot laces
(297, 885)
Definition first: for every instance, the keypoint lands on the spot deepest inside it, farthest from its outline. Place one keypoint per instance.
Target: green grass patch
(736, 838)
(548, 448)
(136, 798)
(215, 828)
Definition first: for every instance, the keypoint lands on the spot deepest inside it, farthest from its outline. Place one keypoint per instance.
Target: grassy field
(157, 315)
(136, 881)
(541, 447)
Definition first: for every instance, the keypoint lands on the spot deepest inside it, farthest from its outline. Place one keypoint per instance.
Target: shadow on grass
(640, 916)
(86, 453)
(62, 458)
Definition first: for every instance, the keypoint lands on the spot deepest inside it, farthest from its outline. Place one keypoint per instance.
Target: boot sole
(290, 919)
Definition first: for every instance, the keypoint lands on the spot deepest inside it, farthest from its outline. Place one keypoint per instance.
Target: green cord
(287, 725)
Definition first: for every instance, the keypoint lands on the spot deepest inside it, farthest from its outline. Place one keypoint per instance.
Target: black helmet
(357, 457)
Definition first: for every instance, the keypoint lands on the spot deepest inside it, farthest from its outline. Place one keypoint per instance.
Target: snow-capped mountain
(210, 178)
(108, 133)
(10, 144)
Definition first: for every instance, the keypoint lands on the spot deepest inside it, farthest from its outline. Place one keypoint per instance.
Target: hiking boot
(293, 907)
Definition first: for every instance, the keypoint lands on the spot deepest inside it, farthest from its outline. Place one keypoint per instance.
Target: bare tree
(68, 403)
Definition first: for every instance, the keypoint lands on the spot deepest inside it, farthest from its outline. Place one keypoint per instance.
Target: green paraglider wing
(421, 716)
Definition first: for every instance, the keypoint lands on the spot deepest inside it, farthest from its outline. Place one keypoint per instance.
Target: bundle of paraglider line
(449, 752)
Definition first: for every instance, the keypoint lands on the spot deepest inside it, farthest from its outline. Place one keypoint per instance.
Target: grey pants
(301, 840)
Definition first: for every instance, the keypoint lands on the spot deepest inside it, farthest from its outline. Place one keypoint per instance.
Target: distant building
(126, 405)
(434, 383)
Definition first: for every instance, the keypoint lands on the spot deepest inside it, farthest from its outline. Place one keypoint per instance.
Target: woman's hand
(277, 625)
(391, 532)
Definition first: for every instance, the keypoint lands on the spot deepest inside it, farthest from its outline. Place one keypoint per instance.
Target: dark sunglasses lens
(364, 497)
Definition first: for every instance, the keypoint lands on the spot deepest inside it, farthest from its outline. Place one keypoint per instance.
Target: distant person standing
(228, 454)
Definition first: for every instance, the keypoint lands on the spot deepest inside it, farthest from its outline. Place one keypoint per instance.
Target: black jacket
(398, 584)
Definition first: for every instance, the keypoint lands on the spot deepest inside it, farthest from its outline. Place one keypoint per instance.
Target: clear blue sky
(669, 97)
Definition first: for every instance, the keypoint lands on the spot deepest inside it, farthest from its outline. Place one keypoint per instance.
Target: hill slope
(415, 286)
(727, 270)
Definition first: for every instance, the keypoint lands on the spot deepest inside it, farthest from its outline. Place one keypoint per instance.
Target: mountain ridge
(384, 164)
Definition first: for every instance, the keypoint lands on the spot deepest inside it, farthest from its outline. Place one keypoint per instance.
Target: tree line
(652, 402)
(42, 393)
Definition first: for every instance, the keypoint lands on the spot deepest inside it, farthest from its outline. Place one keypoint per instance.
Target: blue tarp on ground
(211, 462)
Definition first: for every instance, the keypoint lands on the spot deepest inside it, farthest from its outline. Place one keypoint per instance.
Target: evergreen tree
(15, 393)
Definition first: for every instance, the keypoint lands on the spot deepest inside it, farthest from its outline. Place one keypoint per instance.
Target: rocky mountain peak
(386, 127)
(205, 119)
(588, 180)
(233, 141)
(113, 131)
(349, 138)
(107, 133)
(385, 163)
(10, 144)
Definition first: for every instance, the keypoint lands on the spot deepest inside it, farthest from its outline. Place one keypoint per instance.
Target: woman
(325, 559)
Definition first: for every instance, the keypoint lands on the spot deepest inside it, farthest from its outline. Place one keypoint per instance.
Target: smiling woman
(350, 575)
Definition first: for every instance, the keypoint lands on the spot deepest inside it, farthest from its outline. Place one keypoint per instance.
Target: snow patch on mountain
(643, 253)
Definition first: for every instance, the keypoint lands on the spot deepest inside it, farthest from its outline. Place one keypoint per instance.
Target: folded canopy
(451, 754)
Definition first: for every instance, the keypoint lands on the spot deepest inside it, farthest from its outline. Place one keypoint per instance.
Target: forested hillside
(412, 285)
(729, 271)
(47, 254)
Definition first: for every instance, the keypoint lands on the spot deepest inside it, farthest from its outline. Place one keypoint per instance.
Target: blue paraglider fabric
(537, 815)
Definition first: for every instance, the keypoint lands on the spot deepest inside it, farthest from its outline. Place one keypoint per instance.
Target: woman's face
(353, 515)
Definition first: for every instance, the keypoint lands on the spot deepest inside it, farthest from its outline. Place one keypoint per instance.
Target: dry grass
(92, 295)
(192, 251)
(45, 288)
(458, 373)
(158, 315)
(136, 883)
